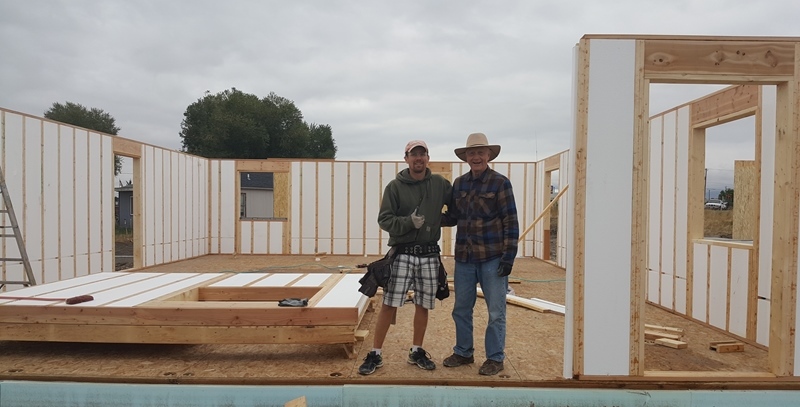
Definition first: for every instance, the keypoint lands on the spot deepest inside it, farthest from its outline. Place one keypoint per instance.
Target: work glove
(504, 269)
(417, 219)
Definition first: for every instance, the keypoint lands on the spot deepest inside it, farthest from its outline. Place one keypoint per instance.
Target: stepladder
(9, 228)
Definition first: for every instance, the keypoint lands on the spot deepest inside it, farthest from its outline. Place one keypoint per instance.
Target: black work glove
(504, 269)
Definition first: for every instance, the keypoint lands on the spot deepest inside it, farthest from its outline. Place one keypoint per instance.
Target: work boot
(490, 367)
(456, 360)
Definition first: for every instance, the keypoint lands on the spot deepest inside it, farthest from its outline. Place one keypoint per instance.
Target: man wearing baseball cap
(411, 212)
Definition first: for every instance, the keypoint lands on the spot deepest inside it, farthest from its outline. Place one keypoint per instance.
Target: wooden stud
(784, 246)
(349, 192)
(42, 197)
(728, 290)
(316, 206)
(755, 254)
(333, 209)
(579, 157)
(641, 153)
(364, 207)
(3, 149)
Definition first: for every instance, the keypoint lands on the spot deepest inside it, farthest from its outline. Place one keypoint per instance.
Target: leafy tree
(726, 195)
(92, 119)
(234, 124)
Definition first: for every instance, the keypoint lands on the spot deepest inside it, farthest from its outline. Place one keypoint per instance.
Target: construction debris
(668, 336)
(671, 343)
(549, 306)
(726, 346)
(663, 328)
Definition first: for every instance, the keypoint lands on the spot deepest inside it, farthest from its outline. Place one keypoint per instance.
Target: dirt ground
(534, 342)
(123, 252)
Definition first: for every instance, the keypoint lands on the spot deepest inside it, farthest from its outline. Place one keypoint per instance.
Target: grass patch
(123, 235)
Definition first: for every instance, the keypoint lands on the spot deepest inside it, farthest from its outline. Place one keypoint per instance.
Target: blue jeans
(467, 276)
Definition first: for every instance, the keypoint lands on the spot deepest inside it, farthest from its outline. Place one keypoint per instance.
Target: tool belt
(424, 249)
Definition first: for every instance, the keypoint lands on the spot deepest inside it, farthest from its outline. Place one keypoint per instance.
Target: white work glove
(417, 219)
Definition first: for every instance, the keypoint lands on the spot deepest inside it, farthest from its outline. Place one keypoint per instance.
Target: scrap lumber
(550, 306)
(726, 346)
(653, 335)
(663, 328)
(532, 304)
(362, 334)
(671, 343)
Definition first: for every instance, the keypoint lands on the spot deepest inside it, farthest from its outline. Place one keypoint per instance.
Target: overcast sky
(378, 72)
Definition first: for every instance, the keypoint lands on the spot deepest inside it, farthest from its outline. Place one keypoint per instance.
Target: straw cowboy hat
(478, 140)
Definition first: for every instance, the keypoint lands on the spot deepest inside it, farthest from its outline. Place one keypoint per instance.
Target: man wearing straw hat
(487, 231)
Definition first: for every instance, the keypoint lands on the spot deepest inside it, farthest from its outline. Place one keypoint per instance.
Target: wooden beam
(730, 101)
(183, 313)
(216, 334)
(125, 147)
(552, 163)
(694, 59)
(263, 166)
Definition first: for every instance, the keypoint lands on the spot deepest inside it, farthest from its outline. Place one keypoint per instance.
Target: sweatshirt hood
(404, 176)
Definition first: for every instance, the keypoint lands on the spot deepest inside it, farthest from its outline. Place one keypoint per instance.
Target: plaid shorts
(412, 272)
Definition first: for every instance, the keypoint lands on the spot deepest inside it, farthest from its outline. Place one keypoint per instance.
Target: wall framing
(62, 178)
(606, 111)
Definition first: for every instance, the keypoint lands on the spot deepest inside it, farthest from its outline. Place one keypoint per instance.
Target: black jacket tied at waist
(378, 274)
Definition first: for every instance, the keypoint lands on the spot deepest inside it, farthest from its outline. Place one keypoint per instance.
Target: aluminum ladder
(8, 209)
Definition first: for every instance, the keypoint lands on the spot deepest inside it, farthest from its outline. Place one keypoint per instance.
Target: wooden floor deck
(534, 344)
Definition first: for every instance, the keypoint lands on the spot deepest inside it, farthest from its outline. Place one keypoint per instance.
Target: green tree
(726, 195)
(234, 124)
(89, 118)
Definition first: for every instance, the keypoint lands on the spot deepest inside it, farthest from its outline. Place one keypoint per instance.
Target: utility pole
(705, 184)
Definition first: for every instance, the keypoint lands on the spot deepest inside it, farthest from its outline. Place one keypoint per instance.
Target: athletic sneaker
(421, 358)
(371, 362)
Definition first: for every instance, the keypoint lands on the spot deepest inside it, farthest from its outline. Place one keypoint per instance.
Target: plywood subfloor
(534, 343)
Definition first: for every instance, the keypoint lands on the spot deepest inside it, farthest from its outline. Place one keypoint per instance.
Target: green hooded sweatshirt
(405, 194)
